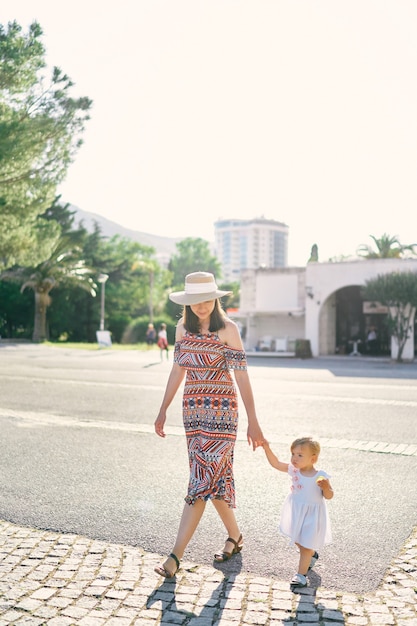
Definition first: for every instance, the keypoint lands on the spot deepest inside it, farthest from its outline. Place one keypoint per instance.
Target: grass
(95, 346)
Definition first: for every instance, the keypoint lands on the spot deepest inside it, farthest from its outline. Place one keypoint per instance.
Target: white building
(322, 302)
(249, 244)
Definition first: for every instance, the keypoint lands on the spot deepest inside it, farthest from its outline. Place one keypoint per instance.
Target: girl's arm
(273, 459)
(325, 486)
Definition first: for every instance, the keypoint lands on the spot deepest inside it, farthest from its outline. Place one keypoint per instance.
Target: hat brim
(181, 297)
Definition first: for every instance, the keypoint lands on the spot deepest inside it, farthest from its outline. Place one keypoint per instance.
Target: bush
(303, 349)
(136, 330)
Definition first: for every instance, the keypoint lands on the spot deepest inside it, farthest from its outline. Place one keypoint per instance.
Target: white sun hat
(199, 287)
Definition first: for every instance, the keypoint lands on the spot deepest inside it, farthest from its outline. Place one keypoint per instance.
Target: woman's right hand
(159, 424)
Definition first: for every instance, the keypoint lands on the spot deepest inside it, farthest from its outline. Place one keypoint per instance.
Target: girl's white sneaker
(299, 581)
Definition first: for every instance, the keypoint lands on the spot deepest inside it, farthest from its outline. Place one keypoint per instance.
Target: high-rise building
(250, 244)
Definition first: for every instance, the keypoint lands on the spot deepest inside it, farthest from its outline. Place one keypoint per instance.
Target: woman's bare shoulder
(230, 334)
(179, 330)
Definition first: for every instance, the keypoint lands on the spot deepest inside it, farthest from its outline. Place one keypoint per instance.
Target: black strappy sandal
(221, 557)
(163, 571)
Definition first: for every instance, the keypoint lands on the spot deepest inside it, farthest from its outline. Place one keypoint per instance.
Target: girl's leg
(305, 559)
(190, 518)
(228, 518)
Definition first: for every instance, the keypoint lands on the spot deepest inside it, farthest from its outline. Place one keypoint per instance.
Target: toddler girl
(304, 516)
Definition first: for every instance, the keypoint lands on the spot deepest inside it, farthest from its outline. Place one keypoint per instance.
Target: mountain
(165, 246)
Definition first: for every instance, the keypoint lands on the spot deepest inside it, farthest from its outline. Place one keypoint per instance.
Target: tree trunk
(42, 301)
(401, 321)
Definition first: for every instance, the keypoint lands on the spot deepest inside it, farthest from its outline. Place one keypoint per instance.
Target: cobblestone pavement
(54, 579)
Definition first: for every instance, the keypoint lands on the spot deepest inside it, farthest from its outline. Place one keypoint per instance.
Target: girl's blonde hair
(307, 441)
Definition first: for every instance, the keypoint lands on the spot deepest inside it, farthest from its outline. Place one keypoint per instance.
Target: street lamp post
(102, 278)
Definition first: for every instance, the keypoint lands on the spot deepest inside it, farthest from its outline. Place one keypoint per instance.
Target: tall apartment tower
(250, 244)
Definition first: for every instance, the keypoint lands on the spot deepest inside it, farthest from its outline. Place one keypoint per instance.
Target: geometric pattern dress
(210, 414)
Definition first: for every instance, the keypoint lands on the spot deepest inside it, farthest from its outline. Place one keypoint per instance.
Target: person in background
(150, 335)
(163, 340)
(304, 516)
(208, 348)
(372, 341)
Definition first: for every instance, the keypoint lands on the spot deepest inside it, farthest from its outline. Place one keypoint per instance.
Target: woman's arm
(174, 381)
(230, 336)
(254, 433)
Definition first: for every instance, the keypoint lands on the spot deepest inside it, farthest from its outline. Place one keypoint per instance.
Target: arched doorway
(354, 321)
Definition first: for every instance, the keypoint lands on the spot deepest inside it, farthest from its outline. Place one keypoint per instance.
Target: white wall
(279, 295)
(272, 302)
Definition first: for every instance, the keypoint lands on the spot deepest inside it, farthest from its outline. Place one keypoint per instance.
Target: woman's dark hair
(192, 323)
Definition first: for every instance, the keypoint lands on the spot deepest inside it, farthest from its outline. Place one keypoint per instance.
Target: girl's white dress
(304, 516)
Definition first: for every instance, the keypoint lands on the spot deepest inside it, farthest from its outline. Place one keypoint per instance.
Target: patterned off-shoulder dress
(210, 414)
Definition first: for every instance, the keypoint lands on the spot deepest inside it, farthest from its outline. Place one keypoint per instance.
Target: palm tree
(63, 266)
(387, 247)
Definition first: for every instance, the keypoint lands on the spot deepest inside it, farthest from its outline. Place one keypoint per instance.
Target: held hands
(255, 436)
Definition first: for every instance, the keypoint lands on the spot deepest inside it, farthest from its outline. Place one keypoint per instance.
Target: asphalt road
(78, 454)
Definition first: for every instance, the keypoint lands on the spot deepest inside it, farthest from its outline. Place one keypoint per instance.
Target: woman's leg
(227, 515)
(190, 519)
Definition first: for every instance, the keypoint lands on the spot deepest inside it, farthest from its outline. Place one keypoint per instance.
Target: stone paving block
(208, 601)
(307, 618)
(75, 612)
(381, 620)
(119, 621)
(200, 621)
(335, 616)
(47, 612)
(60, 602)
(90, 621)
(44, 593)
(350, 609)
(355, 621)
(61, 621)
(233, 604)
(173, 617)
(97, 614)
(256, 617)
(229, 616)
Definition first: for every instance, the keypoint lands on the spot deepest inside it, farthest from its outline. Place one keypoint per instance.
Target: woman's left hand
(255, 436)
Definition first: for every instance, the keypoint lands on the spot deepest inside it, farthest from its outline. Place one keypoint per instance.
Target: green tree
(40, 134)
(193, 255)
(64, 266)
(398, 292)
(16, 312)
(155, 285)
(136, 282)
(386, 247)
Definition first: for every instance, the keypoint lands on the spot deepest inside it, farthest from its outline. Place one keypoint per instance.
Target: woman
(207, 347)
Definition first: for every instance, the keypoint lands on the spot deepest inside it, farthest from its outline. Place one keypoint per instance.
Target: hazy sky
(302, 111)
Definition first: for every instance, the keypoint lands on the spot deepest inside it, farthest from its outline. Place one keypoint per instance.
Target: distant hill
(165, 246)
